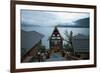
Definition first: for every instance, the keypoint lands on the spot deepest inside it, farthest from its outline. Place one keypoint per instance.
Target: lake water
(47, 31)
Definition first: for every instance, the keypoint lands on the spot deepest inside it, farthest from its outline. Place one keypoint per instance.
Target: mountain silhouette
(81, 23)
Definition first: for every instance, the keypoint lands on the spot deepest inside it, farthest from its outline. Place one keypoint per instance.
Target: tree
(67, 48)
(42, 49)
(68, 40)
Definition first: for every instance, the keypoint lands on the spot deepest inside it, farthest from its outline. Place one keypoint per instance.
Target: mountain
(81, 23)
(29, 25)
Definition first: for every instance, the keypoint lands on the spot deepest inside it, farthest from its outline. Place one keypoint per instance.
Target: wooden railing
(74, 57)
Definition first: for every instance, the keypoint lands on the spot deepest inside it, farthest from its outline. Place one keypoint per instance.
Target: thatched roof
(81, 43)
(29, 39)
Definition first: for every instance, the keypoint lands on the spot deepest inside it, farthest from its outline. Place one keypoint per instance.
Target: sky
(50, 18)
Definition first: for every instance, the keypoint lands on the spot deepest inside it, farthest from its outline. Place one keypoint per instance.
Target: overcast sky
(50, 18)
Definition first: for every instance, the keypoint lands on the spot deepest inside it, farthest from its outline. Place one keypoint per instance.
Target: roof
(55, 31)
(80, 36)
(81, 43)
(29, 39)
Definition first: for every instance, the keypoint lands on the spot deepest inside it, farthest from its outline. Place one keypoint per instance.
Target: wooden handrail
(75, 58)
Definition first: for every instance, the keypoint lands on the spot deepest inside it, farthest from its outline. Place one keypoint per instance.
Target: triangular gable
(56, 32)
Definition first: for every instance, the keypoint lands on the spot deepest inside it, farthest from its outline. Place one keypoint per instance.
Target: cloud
(50, 18)
(38, 17)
